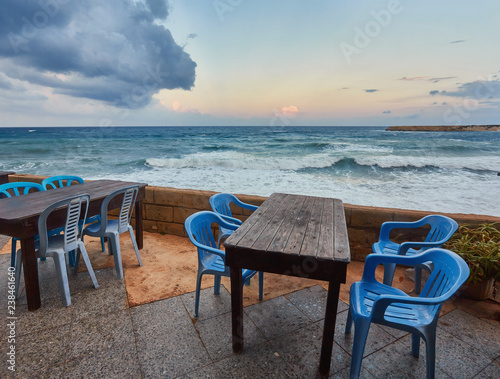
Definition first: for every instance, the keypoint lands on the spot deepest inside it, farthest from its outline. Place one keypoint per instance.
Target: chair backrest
(199, 230)
(19, 188)
(442, 228)
(449, 273)
(126, 209)
(221, 203)
(61, 181)
(71, 230)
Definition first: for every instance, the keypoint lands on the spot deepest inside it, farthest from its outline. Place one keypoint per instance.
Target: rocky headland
(446, 128)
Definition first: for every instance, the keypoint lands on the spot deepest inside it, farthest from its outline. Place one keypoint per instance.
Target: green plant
(480, 247)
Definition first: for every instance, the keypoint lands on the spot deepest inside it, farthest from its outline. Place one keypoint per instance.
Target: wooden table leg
(329, 327)
(139, 235)
(237, 308)
(30, 273)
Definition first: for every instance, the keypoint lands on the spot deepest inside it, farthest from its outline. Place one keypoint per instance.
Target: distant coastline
(445, 128)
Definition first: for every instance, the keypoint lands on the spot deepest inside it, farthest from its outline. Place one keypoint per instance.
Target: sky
(249, 62)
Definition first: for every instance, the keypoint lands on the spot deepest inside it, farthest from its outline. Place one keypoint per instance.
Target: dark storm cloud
(479, 89)
(434, 92)
(159, 8)
(111, 51)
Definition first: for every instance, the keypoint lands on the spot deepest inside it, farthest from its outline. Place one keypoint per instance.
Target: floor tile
(122, 362)
(42, 349)
(261, 361)
(216, 334)
(377, 337)
(160, 317)
(490, 372)
(171, 354)
(53, 314)
(476, 332)
(97, 334)
(301, 351)
(206, 372)
(210, 305)
(312, 302)
(276, 317)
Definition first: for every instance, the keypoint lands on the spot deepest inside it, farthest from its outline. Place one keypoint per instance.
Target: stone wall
(165, 210)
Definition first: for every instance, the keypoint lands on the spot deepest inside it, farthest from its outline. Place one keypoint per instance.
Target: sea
(452, 172)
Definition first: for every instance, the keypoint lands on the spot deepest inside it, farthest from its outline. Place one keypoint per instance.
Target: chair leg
(418, 279)
(348, 324)
(415, 344)
(134, 242)
(13, 253)
(389, 269)
(361, 329)
(430, 350)
(19, 269)
(77, 261)
(261, 285)
(103, 246)
(62, 278)
(115, 243)
(197, 295)
(71, 258)
(217, 279)
(83, 251)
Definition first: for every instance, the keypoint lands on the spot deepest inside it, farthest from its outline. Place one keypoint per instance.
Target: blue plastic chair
(59, 181)
(211, 260)
(111, 229)
(18, 189)
(57, 246)
(221, 204)
(441, 230)
(371, 301)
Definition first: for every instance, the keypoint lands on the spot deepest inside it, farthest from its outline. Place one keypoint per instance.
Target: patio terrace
(102, 335)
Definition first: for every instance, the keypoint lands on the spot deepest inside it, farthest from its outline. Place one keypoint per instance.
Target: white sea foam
(236, 160)
(483, 163)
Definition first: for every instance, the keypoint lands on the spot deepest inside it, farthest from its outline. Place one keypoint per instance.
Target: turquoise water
(449, 171)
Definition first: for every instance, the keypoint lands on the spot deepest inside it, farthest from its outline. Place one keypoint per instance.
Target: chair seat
(363, 296)
(93, 229)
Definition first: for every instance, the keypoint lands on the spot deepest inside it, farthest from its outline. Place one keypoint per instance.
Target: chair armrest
(405, 246)
(381, 302)
(373, 260)
(386, 227)
(231, 220)
(245, 205)
(212, 250)
(226, 221)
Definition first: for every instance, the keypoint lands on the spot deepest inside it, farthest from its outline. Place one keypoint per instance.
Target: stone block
(150, 226)
(171, 228)
(369, 217)
(149, 197)
(181, 214)
(159, 213)
(168, 196)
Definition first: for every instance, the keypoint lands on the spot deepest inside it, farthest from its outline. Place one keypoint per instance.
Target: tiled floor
(100, 336)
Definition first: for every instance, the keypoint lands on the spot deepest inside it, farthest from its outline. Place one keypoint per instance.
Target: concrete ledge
(166, 208)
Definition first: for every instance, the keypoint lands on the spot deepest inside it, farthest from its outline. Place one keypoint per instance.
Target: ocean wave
(235, 160)
(470, 163)
(350, 147)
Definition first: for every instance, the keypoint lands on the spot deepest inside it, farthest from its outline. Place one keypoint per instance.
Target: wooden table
(293, 235)
(19, 218)
(4, 176)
